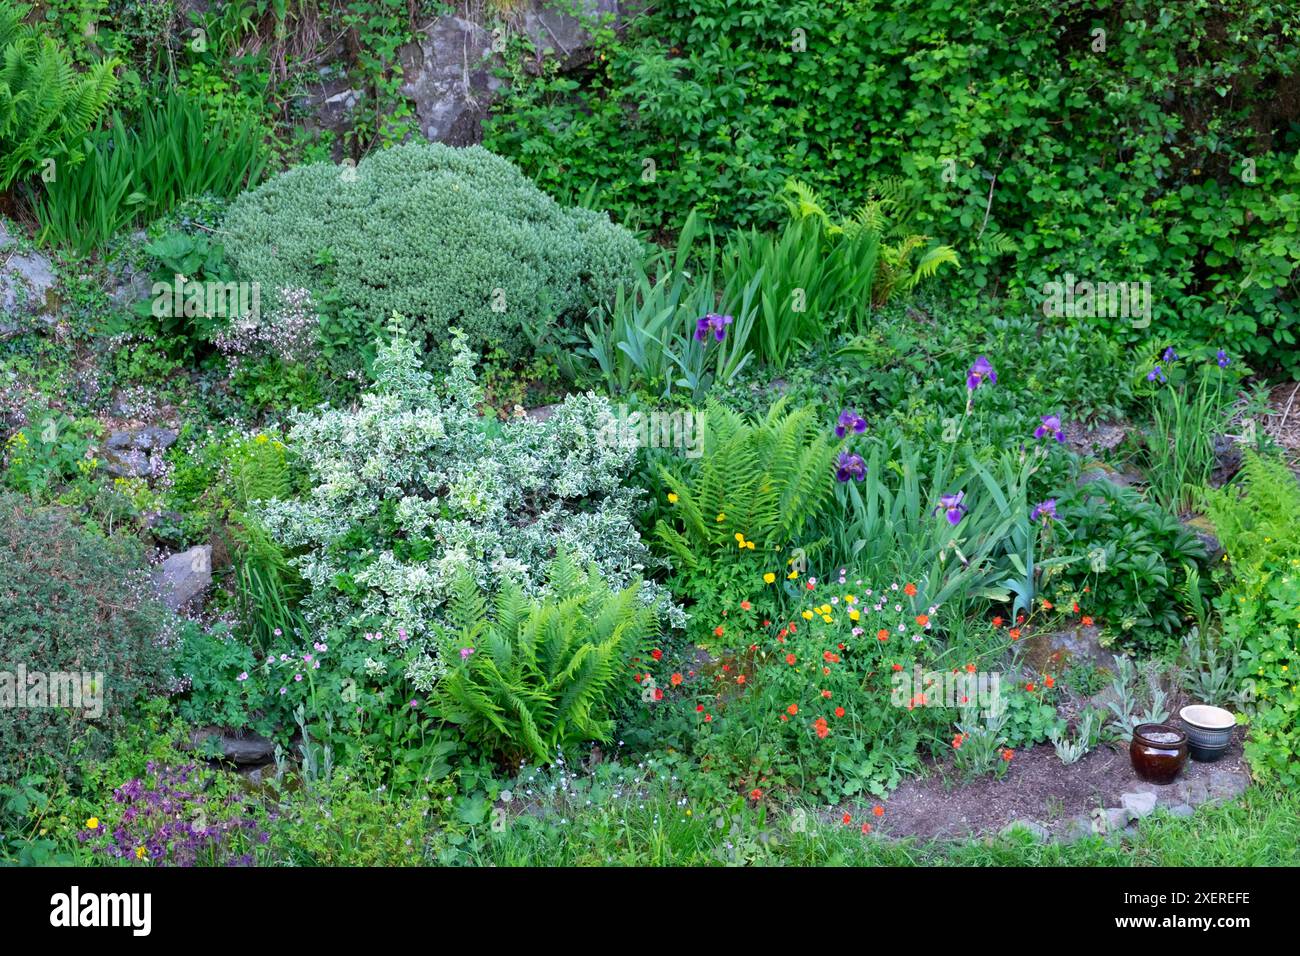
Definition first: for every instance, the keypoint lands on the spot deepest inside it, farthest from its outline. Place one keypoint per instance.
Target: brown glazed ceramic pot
(1158, 752)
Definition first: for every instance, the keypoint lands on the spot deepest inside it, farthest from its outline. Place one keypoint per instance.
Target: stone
(1140, 804)
(1052, 651)
(1032, 827)
(245, 749)
(1077, 828)
(26, 280)
(1181, 810)
(1227, 460)
(1111, 819)
(449, 69)
(1200, 526)
(184, 577)
(136, 452)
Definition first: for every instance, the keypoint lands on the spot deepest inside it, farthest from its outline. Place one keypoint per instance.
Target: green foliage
(47, 452)
(757, 484)
(1189, 415)
(45, 103)
(75, 603)
(538, 675)
(447, 237)
(1257, 518)
(1188, 176)
(135, 173)
(1132, 556)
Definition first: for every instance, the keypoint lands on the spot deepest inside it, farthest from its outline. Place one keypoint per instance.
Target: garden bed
(1054, 801)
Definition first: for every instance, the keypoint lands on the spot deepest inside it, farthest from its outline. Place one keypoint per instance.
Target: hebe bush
(445, 236)
(70, 601)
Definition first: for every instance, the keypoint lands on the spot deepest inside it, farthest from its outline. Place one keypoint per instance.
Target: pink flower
(243, 676)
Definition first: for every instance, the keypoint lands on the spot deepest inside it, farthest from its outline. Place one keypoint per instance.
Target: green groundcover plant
(448, 237)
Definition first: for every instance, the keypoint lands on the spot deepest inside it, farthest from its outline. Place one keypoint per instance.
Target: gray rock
(25, 282)
(1181, 810)
(136, 452)
(1111, 819)
(1227, 460)
(1140, 804)
(448, 71)
(1037, 830)
(1077, 828)
(184, 576)
(1049, 653)
(243, 749)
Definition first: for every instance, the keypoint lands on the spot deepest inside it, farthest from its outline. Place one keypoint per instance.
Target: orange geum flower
(792, 709)
(839, 711)
(790, 659)
(675, 679)
(923, 619)
(909, 589)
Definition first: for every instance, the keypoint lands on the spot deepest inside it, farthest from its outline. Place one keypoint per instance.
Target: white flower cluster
(287, 332)
(415, 484)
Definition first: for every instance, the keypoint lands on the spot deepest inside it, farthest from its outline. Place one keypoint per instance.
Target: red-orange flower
(675, 679)
(1049, 681)
(866, 828)
(790, 659)
(1030, 687)
(839, 711)
(846, 819)
(878, 810)
(755, 793)
(792, 709)
(1087, 621)
(745, 605)
(718, 630)
(909, 589)
(657, 654)
(882, 635)
(1015, 633)
(997, 621)
(923, 619)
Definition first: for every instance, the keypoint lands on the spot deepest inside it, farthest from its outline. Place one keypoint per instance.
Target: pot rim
(1139, 732)
(1208, 717)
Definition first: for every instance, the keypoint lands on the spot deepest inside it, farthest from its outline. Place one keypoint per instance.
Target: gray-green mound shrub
(445, 236)
(71, 603)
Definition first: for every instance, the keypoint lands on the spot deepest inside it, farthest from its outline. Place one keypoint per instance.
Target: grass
(1262, 828)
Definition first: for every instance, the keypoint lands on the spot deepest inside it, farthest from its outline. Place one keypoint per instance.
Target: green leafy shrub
(537, 676)
(737, 511)
(138, 172)
(447, 237)
(1257, 518)
(1132, 557)
(416, 486)
(1189, 176)
(45, 103)
(76, 603)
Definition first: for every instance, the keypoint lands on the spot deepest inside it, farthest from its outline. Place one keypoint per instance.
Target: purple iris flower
(1170, 356)
(1156, 373)
(979, 373)
(849, 419)
(1051, 427)
(1045, 510)
(850, 466)
(717, 324)
(952, 507)
(1222, 359)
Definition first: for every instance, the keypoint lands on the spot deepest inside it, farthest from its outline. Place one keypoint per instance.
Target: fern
(769, 479)
(46, 105)
(1257, 516)
(544, 674)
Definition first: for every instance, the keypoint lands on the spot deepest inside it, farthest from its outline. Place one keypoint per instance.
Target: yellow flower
(722, 516)
(261, 439)
(854, 614)
(850, 599)
(792, 575)
(826, 618)
(769, 578)
(741, 538)
(141, 853)
(92, 823)
(750, 545)
(672, 497)
(807, 615)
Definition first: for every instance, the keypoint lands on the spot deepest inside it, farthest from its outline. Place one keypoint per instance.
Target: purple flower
(243, 676)
(465, 652)
(979, 373)
(849, 419)
(850, 466)
(1222, 359)
(1156, 373)
(1051, 427)
(717, 324)
(952, 507)
(1170, 356)
(1045, 510)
